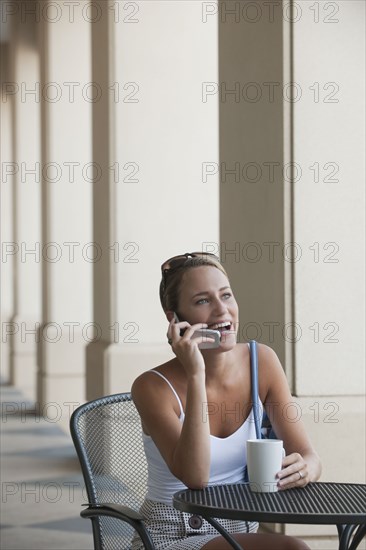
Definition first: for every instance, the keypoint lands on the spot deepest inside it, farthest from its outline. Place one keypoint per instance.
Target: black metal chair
(107, 437)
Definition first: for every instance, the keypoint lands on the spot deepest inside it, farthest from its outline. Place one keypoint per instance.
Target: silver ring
(300, 474)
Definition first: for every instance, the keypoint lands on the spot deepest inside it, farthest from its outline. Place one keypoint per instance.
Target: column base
(5, 351)
(112, 368)
(61, 373)
(61, 395)
(23, 357)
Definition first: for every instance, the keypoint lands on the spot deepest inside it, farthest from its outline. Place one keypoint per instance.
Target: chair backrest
(108, 439)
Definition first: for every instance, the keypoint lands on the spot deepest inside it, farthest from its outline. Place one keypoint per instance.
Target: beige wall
(167, 210)
(165, 130)
(329, 136)
(328, 220)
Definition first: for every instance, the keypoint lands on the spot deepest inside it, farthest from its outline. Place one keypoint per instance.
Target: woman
(196, 411)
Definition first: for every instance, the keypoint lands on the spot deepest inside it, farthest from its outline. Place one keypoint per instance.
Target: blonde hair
(172, 277)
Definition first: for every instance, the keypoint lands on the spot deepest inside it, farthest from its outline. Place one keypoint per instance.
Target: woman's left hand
(294, 472)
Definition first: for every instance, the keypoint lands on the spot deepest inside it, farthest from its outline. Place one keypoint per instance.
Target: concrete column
(104, 212)
(68, 251)
(255, 223)
(6, 204)
(24, 245)
(163, 133)
(292, 132)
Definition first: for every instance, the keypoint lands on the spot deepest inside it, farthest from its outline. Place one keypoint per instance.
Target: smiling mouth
(222, 327)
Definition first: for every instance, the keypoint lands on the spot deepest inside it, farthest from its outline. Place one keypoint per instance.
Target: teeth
(220, 325)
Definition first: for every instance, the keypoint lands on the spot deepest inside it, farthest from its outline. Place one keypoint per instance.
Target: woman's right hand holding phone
(185, 347)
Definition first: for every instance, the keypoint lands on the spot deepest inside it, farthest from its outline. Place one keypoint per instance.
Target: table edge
(270, 517)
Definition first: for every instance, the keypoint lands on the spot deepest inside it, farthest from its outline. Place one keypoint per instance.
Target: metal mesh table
(341, 504)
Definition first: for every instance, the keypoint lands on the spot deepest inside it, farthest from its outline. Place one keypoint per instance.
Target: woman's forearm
(191, 460)
(314, 466)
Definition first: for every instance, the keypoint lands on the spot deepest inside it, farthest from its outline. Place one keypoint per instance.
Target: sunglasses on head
(179, 261)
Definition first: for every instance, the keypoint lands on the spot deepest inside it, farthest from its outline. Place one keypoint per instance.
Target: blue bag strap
(254, 386)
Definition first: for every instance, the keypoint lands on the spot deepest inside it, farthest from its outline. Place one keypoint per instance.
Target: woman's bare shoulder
(271, 374)
(267, 357)
(154, 399)
(266, 352)
(268, 360)
(148, 384)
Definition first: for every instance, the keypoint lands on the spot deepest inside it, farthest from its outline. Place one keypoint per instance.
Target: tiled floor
(41, 485)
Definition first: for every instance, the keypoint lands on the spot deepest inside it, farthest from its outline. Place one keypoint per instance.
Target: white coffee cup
(264, 459)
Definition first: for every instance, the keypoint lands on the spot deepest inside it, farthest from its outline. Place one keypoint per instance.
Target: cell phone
(204, 333)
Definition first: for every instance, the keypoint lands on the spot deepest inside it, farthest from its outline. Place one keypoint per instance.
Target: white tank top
(228, 458)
